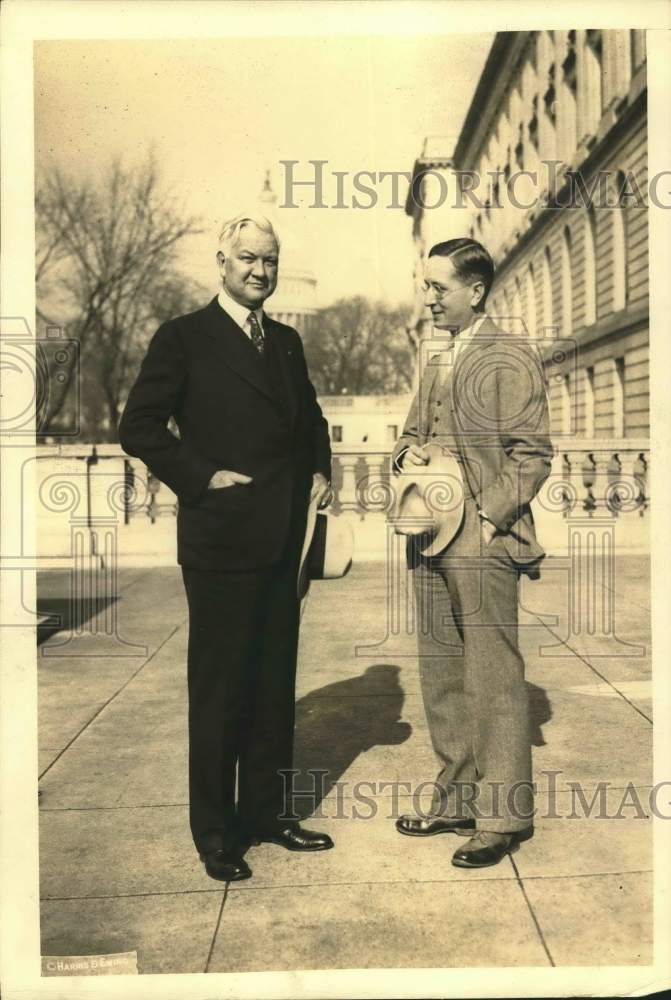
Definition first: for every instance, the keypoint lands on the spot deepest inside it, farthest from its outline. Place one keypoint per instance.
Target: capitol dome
(295, 299)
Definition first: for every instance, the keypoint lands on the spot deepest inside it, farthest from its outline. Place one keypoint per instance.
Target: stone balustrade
(98, 492)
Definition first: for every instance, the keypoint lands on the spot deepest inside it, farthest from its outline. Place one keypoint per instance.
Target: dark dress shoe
(414, 826)
(225, 866)
(486, 848)
(294, 838)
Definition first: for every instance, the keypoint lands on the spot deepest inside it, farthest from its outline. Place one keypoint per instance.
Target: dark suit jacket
(490, 408)
(234, 410)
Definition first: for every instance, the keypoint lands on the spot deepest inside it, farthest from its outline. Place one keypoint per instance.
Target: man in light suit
(482, 397)
(253, 450)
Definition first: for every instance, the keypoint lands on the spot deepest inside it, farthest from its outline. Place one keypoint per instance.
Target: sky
(219, 113)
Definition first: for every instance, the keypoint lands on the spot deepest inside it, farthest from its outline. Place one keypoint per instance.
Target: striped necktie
(256, 332)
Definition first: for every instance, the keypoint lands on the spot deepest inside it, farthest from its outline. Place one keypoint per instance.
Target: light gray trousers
(472, 680)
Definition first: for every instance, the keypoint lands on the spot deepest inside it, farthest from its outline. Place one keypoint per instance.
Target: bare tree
(360, 347)
(106, 262)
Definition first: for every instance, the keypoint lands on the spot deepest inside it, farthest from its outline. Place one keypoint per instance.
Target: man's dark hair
(470, 261)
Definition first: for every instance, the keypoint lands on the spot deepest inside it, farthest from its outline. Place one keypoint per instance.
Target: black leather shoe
(486, 848)
(294, 838)
(414, 826)
(225, 866)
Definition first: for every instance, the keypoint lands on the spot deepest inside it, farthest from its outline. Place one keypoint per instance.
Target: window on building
(505, 306)
(637, 49)
(530, 290)
(588, 429)
(392, 433)
(589, 269)
(566, 405)
(550, 96)
(336, 433)
(618, 397)
(594, 75)
(619, 255)
(519, 147)
(496, 191)
(569, 106)
(566, 283)
(533, 123)
(547, 319)
(516, 310)
(507, 169)
(569, 64)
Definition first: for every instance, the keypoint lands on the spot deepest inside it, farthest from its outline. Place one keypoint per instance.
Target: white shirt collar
(445, 342)
(465, 336)
(239, 314)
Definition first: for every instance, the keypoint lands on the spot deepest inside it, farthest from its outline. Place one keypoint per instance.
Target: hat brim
(448, 528)
(303, 582)
(443, 523)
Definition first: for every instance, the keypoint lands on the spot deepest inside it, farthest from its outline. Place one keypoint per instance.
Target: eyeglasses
(442, 293)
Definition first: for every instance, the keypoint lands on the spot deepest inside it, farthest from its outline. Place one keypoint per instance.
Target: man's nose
(430, 298)
(258, 270)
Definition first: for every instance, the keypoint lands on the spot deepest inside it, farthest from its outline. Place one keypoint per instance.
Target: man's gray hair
(230, 231)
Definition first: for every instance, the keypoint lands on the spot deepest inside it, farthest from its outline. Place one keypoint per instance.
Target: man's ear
(478, 294)
(220, 258)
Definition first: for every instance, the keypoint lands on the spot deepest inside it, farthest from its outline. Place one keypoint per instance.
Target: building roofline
(421, 166)
(485, 102)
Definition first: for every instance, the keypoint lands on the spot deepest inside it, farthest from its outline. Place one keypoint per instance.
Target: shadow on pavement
(540, 712)
(336, 723)
(64, 614)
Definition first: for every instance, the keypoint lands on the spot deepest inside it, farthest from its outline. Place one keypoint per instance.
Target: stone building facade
(550, 173)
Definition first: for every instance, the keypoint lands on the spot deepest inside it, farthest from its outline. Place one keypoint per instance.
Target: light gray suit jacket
(490, 408)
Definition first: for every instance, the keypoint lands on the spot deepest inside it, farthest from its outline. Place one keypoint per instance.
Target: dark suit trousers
(243, 638)
(472, 679)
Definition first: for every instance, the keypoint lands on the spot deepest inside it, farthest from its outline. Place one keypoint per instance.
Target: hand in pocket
(226, 477)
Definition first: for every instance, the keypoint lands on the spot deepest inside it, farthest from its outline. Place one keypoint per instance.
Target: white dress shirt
(240, 314)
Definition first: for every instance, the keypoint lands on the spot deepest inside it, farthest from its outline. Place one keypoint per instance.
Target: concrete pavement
(118, 869)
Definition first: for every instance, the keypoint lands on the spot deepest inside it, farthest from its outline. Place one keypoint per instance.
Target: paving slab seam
(532, 913)
(358, 697)
(621, 593)
(250, 887)
(137, 579)
(111, 699)
(344, 797)
(134, 895)
(595, 671)
(340, 885)
(216, 930)
(143, 805)
(321, 885)
(629, 871)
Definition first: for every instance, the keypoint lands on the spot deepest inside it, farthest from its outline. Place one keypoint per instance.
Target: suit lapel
(235, 349)
(485, 334)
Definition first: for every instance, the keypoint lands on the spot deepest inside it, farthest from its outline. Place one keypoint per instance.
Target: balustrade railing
(602, 474)
(587, 477)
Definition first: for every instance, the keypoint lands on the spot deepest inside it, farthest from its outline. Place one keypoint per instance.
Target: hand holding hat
(429, 497)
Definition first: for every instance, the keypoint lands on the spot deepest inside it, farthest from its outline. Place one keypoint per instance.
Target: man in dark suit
(253, 450)
(483, 398)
